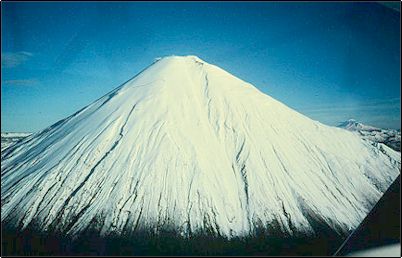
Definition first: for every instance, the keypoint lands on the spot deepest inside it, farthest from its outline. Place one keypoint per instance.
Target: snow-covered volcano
(185, 144)
(353, 125)
(389, 137)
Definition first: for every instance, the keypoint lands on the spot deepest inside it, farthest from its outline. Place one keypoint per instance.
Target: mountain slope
(389, 137)
(187, 145)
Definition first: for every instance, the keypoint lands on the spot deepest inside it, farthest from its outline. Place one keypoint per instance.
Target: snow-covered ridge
(389, 137)
(353, 125)
(185, 144)
(14, 134)
(9, 138)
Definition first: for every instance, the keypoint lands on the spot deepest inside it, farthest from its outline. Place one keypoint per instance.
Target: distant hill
(7, 139)
(389, 137)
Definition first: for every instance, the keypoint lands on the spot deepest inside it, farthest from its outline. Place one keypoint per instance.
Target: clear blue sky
(329, 61)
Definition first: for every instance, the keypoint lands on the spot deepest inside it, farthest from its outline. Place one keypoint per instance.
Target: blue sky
(329, 61)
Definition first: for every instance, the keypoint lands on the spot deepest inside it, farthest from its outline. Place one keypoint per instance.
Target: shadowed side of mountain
(381, 227)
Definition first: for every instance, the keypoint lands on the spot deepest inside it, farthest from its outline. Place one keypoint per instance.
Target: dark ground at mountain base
(32, 242)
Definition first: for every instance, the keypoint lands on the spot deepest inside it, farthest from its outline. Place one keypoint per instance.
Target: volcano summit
(185, 144)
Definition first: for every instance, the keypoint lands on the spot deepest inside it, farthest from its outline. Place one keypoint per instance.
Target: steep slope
(389, 137)
(185, 144)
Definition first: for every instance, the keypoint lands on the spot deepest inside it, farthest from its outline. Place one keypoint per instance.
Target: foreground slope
(187, 145)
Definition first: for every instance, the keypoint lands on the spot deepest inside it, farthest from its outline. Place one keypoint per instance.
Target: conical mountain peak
(182, 58)
(188, 145)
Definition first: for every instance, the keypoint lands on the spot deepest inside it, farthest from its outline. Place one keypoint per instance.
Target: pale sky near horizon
(330, 61)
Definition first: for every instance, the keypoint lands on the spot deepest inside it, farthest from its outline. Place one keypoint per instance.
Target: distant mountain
(8, 139)
(188, 146)
(389, 137)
